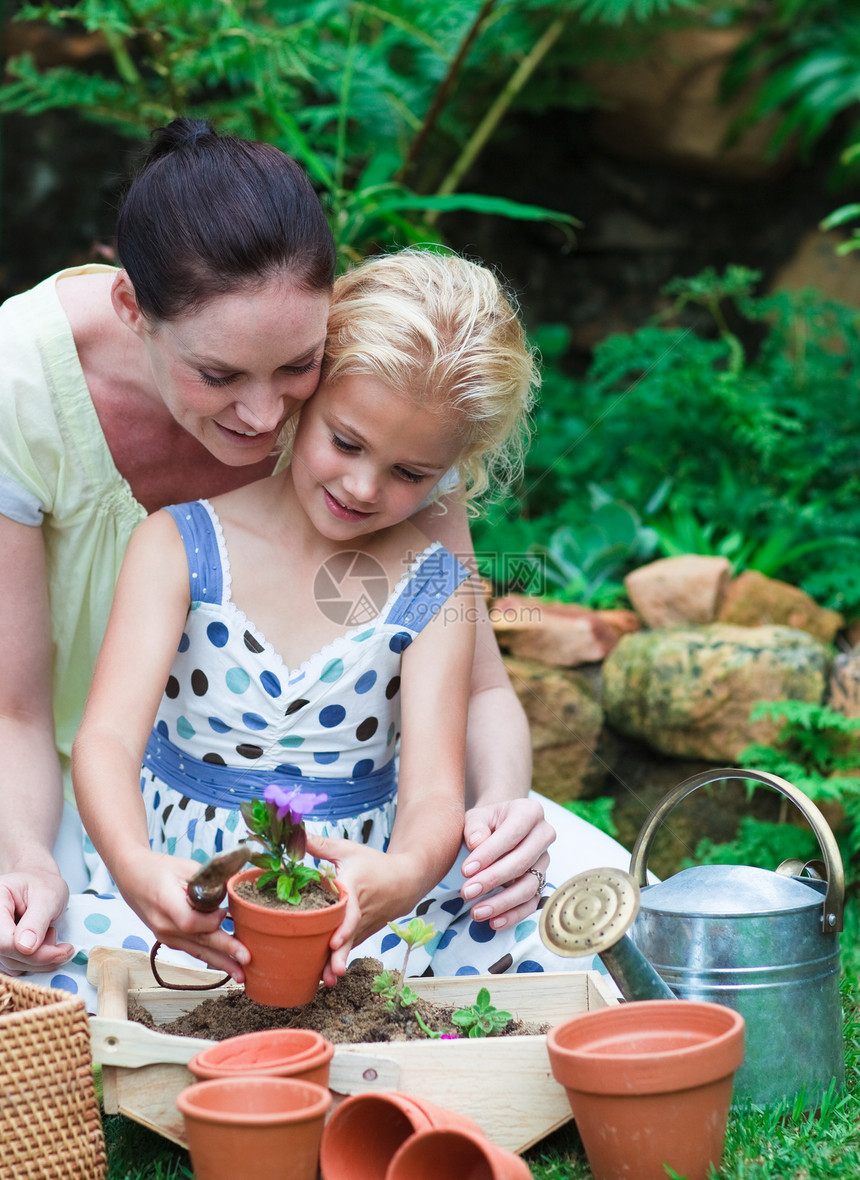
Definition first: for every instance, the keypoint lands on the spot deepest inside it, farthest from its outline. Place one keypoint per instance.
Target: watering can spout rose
(761, 942)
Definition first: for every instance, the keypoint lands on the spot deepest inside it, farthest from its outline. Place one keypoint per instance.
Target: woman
(109, 413)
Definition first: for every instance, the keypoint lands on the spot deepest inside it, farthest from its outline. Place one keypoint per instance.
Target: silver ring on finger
(541, 880)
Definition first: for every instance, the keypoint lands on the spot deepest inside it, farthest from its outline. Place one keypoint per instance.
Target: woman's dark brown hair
(208, 214)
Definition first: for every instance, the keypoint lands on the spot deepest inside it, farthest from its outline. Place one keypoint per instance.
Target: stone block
(844, 691)
(565, 721)
(753, 600)
(556, 632)
(677, 591)
(665, 107)
(688, 693)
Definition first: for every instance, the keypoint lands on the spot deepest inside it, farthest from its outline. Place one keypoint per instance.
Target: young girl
(305, 630)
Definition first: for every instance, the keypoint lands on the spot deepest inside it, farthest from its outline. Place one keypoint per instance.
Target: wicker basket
(50, 1125)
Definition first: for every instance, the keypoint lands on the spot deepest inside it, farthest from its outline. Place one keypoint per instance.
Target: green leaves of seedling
(417, 933)
(390, 983)
(398, 995)
(482, 1019)
(385, 984)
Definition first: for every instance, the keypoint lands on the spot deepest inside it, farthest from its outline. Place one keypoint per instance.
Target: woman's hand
(30, 903)
(153, 884)
(377, 886)
(506, 841)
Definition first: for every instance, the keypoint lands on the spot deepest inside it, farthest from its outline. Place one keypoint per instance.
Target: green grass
(136, 1153)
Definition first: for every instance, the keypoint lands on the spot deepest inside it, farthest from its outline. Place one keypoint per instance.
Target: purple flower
(294, 802)
(452, 1036)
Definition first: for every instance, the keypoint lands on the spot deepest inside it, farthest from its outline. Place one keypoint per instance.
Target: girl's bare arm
(145, 625)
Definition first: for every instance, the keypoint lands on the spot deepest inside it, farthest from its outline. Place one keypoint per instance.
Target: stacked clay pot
(279, 1052)
(394, 1136)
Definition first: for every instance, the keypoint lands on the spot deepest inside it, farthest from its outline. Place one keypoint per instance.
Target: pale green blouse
(56, 473)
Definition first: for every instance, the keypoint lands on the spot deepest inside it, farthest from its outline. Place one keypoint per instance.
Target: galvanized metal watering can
(763, 943)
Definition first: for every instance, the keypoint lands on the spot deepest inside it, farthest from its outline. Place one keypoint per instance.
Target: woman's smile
(249, 438)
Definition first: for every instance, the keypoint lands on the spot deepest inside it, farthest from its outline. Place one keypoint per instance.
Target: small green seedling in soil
(397, 995)
(389, 984)
(481, 1019)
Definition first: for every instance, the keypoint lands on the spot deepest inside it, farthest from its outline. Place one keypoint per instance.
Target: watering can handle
(834, 900)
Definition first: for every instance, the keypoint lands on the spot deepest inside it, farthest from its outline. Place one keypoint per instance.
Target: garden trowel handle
(208, 887)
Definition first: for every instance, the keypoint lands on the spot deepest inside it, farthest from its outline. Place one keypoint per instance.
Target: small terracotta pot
(446, 1152)
(650, 1083)
(247, 1127)
(288, 948)
(278, 1052)
(444, 1119)
(364, 1132)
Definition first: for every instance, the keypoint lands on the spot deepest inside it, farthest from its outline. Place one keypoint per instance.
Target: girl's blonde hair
(443, 331)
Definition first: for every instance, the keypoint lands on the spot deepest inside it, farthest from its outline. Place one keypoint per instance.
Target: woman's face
(233, 372)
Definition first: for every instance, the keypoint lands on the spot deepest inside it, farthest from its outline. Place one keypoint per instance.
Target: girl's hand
(506, 841)
(377, 884)
(153, 884)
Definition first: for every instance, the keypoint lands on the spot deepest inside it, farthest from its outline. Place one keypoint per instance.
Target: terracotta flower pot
(446, 1152)
(444, 1119)
(364, 1132)
(278, 1052)
(247, 1127)
(288, 948)
(650, 1083)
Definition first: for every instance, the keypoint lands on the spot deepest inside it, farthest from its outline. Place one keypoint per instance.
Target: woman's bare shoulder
(85, 298)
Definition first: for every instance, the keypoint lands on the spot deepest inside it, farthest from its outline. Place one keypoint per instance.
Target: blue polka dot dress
(234, 718)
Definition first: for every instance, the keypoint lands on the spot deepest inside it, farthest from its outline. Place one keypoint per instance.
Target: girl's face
(364, 458)
(233, 372)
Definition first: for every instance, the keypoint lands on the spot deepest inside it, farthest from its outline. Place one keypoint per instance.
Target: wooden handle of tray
(118, 1041)
(124, 1042)
(113, 1005)
(113, 990)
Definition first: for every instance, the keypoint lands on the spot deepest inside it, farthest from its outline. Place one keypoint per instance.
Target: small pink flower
(451, 1036)
(297, 803)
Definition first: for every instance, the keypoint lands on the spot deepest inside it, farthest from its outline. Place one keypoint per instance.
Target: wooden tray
(503, 1083)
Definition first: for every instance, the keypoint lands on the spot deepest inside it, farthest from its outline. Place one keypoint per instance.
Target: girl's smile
(342, 511)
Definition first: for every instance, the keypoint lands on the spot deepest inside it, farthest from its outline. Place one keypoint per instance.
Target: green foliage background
(680, 443)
